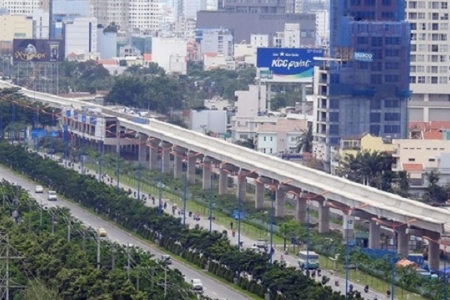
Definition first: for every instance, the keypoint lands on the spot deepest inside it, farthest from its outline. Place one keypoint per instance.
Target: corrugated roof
(432, 135)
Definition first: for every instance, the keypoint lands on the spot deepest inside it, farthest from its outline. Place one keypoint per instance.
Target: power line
(5, 257)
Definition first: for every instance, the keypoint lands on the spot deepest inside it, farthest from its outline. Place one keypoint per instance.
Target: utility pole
(113, 257)
(5, 256)
(98, 252)
(128, 262)
(69, 223)
(53, 221)
(165, 282)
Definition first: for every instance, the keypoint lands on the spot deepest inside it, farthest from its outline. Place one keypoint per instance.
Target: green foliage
(68, 268)
(305, 144)
(158, 93)
(196, 243)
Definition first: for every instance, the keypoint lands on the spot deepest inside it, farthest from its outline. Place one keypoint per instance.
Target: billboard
(38, 50)
(362, 56)
(286, 64)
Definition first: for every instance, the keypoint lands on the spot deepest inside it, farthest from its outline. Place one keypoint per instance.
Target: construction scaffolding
(38, 76)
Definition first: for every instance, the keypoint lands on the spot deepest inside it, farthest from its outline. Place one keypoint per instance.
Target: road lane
(213, 289)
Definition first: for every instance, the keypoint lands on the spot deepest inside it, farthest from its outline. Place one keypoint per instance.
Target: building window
(391, 103)
(394, 129)
(375, 130)
(375, 118)
(264, 139)
(271, 138)
(411, 159)
(270, 150)
(392, 117)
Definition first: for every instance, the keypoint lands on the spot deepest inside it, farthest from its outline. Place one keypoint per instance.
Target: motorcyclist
(366, 288)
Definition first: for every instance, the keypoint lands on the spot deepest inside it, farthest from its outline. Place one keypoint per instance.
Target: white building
(170, 54)
(22, 7)
(144, 14)
(280, 137)
(191, 7)
(216, 104)
(251, 103)
(289, 38)
(112, 11)
(213, 61)
(243, 128)
(322, 27)
(259, 40)
(218, 41)
(41, 23)
(430, 63)
(205, 121)
(81, 36)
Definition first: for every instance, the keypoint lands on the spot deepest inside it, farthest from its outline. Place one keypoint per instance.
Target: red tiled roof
(412, 167)
(432, 135)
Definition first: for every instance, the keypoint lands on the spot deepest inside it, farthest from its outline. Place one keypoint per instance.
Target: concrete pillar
(300, 210)
(177, 166)
(324, 218)
(207, 172)
(241, 189)
(118, 137)
(433, 251)
(374, 235)
(259, 195)
(223, 181)
(153, 158)
(280, 199)
(165, 160)
(402, 242)
(191, 168)
(143, 152)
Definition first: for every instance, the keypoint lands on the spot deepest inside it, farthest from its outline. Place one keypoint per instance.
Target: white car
(52, 196)
(102, 232)
(197, 285)
(39, 189)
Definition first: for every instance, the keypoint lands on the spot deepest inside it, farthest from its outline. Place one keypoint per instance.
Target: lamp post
(211, 193)
(185, 182)
(348, 212)
(160, 185)
(394, 225)
(445, 244)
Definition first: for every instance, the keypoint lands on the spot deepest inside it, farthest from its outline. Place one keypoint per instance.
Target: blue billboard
(287, 64)
(362, 56)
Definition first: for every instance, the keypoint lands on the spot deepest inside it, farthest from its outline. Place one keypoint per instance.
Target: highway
(291, 259)
(212, 288)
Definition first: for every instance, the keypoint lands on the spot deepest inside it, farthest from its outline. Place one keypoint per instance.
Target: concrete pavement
(212, 288)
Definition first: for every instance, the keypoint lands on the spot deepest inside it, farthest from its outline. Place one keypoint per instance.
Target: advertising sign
(37, 50)
(83, 118)
(286, 64)
(361, 56)
(93, 120)
(349, 222)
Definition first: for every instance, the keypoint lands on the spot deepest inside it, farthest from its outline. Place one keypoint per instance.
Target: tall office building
(247, 17)
(23, 7)
(430, 60)
(364, 86)
(143, 14)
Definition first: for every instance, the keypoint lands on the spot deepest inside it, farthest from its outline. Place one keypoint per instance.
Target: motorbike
(366, 289)
(336, 282)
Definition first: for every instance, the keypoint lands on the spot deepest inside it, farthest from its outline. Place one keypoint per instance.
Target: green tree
(305, 143)
(435, 192)
(247, 143)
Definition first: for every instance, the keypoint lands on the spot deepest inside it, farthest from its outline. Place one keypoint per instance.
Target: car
(52, 196)
(39, 189)
(197, 285)
(102, 232)
(261, 244)
(166, 258)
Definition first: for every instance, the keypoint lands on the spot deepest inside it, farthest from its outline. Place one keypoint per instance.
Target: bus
(308, 260)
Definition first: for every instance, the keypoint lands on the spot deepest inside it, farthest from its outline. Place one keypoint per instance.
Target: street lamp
(394, 226)
(211, 194)
(348, 212)
(445, 244)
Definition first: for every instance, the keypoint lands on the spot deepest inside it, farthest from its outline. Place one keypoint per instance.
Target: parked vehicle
(52, 196)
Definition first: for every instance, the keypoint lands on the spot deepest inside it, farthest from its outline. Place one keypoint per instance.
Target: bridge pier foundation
(434, 251)
(280, 198)
(153, 158)
(165, 154)
(324, 218)
(259, 195)
(191, 168)
(402, 241)
(241, 189)
(206, 174)
(177, 167)
(143, 153)
(374, 235)
(300, 210)
(223, 181)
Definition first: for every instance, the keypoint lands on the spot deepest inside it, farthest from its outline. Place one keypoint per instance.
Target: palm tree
(305, 142)
(366, 167)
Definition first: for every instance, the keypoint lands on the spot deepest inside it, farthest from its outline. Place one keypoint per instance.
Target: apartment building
(23, 7)
(430, 60)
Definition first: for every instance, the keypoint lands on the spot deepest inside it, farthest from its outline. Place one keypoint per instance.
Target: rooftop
(412, 167)
(284, 125)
